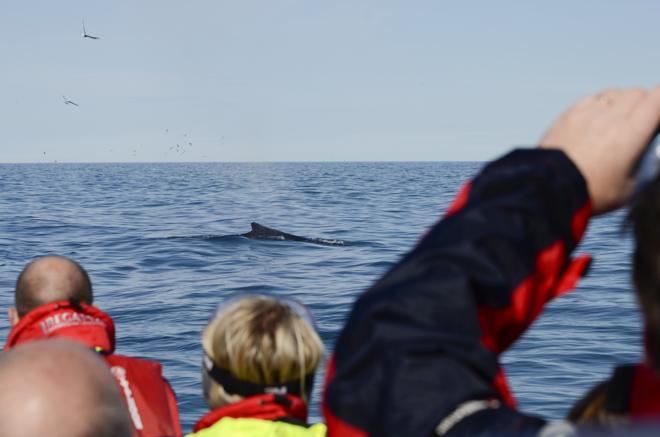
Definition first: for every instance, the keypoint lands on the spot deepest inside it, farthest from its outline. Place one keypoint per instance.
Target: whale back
(264, 232)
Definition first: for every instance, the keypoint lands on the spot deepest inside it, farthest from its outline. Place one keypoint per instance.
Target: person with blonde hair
(260, 358)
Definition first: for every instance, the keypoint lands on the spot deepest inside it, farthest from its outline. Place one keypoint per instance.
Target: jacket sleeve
(426, 337)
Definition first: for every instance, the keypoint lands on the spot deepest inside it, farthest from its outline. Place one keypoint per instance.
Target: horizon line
(234, 162)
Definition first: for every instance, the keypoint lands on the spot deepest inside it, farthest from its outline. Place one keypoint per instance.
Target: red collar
(81, 322)
(266, 406)
(644, 396)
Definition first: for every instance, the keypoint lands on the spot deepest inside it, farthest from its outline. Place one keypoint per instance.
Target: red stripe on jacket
(336, 426)
(551, 278)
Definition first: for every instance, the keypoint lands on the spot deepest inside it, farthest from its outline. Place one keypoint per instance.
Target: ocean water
(161, 243)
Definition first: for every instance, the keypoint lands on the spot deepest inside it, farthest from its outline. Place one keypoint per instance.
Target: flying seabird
(85, 35)
(69, 102)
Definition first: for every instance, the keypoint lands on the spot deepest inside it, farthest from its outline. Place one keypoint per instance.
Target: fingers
(613, 98)
(614, 101)
(647, 112)
(604, 135)
(607, 98)
(601, 100)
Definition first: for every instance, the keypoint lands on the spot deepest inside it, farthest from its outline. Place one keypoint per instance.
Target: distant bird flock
(178, 148)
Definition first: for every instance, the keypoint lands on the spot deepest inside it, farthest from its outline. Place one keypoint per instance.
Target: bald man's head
(58, 388)
(51, 279)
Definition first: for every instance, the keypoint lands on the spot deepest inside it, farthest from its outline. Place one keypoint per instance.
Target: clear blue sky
(293, 80)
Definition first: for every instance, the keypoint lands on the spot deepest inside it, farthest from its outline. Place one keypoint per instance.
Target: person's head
(49, 279)
(592, 410)
(255, 343)
(645, 219)
(58, 388)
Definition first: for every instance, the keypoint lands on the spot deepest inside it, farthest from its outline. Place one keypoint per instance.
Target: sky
(294, 80)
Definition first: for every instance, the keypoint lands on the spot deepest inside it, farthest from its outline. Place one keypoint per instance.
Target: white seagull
(69, 102)
(85, 35)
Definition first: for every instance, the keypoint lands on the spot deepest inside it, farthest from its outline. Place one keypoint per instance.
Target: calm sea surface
(161, 243)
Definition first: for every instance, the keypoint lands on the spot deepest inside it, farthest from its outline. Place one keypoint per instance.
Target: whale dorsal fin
(256, 227)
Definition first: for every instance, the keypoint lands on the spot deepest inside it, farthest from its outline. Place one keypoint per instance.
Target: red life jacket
(150, 399)
(634, 390)
(267, 406)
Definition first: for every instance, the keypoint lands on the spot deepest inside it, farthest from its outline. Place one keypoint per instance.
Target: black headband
(233, 385)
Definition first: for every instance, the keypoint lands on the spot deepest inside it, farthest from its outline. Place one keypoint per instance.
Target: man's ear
(13, 316)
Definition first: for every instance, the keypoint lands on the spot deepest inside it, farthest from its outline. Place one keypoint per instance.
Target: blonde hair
(261, 340)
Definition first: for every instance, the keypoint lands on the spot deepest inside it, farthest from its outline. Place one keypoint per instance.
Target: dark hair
(644, 217)
(33, 288)
(593, 410)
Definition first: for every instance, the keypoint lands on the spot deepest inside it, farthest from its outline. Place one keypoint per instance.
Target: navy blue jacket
(426, 337)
